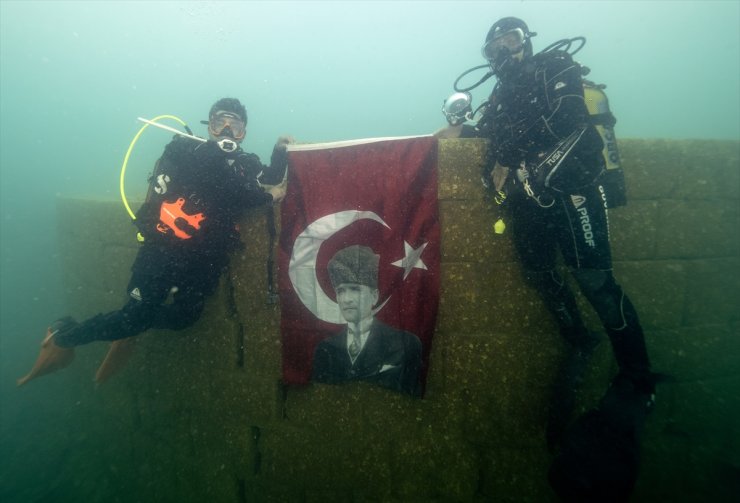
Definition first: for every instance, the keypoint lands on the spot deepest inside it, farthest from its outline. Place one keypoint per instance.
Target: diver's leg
(151, 282)
(198, 280)
(536, 243)
(57, 349)
(619, 318)
(598, 456)
(147, 289)
(587, 251)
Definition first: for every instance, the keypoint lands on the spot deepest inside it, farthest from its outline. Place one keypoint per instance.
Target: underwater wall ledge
(202, 415)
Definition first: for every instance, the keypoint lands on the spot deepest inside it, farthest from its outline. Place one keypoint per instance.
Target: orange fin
(118, 356)
(50, 359)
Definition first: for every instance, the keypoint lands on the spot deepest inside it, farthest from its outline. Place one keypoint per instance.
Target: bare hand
(499, 175)
(283, 141)
(277, 192)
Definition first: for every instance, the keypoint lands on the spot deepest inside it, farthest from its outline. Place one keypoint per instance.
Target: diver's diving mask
(220, 121)
(510, 42)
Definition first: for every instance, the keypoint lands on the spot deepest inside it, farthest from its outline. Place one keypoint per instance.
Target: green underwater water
(74, 76)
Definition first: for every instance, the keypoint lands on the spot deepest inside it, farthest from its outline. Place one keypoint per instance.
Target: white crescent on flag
(302, 266)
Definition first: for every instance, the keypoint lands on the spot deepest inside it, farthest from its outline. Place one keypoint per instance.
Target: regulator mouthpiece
(227, 145)
(458, 108)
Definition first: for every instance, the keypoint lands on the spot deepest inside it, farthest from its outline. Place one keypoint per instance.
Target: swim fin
(600, 456)
(118, 356)
(52, 356)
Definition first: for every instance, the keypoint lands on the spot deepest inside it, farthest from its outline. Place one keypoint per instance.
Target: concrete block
(259, 322)
(657, 289)
(634, 230)
(317, 405)
(698, 229)
(683, 353)
(482, 297)
(253, 228)
(515, 474)
(713, 291)
(291, 454)
(433, 466)
(100, 221)
(648, 167)
(691, 453)
(467, 233)
(506, 378)
(460, 162)
(710, 171)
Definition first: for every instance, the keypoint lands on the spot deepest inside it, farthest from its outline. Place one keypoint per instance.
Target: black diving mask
(227, 124)
(508, 43)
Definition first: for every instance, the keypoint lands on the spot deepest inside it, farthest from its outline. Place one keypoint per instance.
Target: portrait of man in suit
(365, 349)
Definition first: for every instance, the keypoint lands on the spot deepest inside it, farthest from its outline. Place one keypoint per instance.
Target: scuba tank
(603, 120)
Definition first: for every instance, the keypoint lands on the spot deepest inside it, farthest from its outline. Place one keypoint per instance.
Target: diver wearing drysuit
(547, 157)
(188, 222)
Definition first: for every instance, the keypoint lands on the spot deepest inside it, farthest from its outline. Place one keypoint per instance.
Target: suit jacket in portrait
(391, 358)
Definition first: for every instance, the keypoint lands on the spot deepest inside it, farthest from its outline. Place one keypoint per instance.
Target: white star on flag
(412, 260)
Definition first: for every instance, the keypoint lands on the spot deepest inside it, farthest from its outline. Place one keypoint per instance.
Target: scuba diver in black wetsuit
(545, 158)
(197, 193)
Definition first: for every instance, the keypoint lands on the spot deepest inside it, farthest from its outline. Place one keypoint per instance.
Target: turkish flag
(377, 193)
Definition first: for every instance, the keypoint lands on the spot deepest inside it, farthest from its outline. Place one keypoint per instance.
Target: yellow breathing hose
(128, 154)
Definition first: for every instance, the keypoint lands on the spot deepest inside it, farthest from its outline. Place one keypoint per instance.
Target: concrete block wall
(202, 415)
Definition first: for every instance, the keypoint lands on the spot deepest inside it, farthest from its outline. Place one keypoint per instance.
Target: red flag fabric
(378, 196)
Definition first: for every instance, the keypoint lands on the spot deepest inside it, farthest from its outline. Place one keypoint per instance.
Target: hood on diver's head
(232, 105)
(227, 122)
(507, 37)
